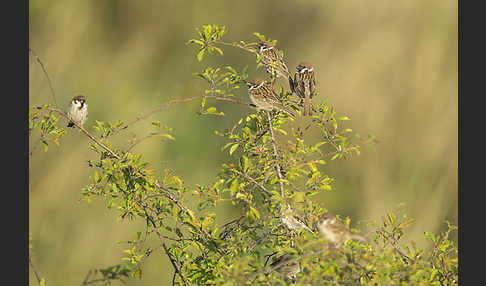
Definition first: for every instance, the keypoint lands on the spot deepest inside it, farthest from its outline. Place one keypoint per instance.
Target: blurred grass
(391, 66)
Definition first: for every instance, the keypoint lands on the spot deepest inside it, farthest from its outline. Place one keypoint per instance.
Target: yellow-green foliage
(237, 251)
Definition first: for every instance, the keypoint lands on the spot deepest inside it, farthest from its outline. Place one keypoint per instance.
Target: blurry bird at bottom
(335, 231)
(288, 269)
(78, 110)
(293, 221)
(264, 97)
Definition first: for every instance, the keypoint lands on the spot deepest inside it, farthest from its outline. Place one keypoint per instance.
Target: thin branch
(136, 142)
(142, 206)
(176, 268)
(299, 258)
(168, 195)
(171, 102)
(253, 181)
(33, 269)
(46, 74)
(277, 166)
(262, 238)
(84, 131)
(397, 250)
(233, 45)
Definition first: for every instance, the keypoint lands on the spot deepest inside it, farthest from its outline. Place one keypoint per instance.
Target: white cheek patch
(265, 48)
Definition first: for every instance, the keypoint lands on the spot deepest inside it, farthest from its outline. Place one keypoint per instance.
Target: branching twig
(176, 268)
(253, 181)
(45, 72)
(62, 113)
(397, 250)
(170, 103)
(262, 238)
(233, 45)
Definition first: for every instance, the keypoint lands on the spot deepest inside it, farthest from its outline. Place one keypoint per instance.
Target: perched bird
(292, 221)
(288, 269)
(273, 62)
(335, 231)
(78, 110)
(305, 85)
(264, 97)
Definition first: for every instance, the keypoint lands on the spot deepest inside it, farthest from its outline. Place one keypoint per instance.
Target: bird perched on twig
(78, 110)
(264, 97)
(335, 231)
(305, 85)
(293, 221)
(288, 269)
(273, 61)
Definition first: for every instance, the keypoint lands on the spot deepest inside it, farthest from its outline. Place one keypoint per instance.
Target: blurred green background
(391, 66)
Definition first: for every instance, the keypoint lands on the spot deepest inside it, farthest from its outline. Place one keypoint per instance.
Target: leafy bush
(272, 166)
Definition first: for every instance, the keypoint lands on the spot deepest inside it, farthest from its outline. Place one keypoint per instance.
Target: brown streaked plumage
(293, 221)
(273, 61)
(305, 85)
(289, 269)
(334, 230)
(264, 97)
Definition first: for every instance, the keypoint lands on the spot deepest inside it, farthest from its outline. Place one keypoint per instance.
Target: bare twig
(33, 269)
(234, 45)
(170, 103)
(45, 72)
(136, 142)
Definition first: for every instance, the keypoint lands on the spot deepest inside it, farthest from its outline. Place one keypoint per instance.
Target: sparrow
(290, 270)
(264, 97)
(305, 85)
(78, 110)
(335, 231)
(292, 221)
(273, 61)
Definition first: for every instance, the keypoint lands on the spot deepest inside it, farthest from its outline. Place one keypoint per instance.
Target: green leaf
(254, 213)
(42, 282)
(218, 50)
(234, 187)
(405, 224)
(259, 36)
(168, 136)
(211, 110)
(45, 145)
(343, 118)
(200, 55)
(233, 148)
(391, 217)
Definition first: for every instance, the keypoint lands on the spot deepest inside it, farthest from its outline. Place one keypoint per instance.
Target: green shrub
(272, 164)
